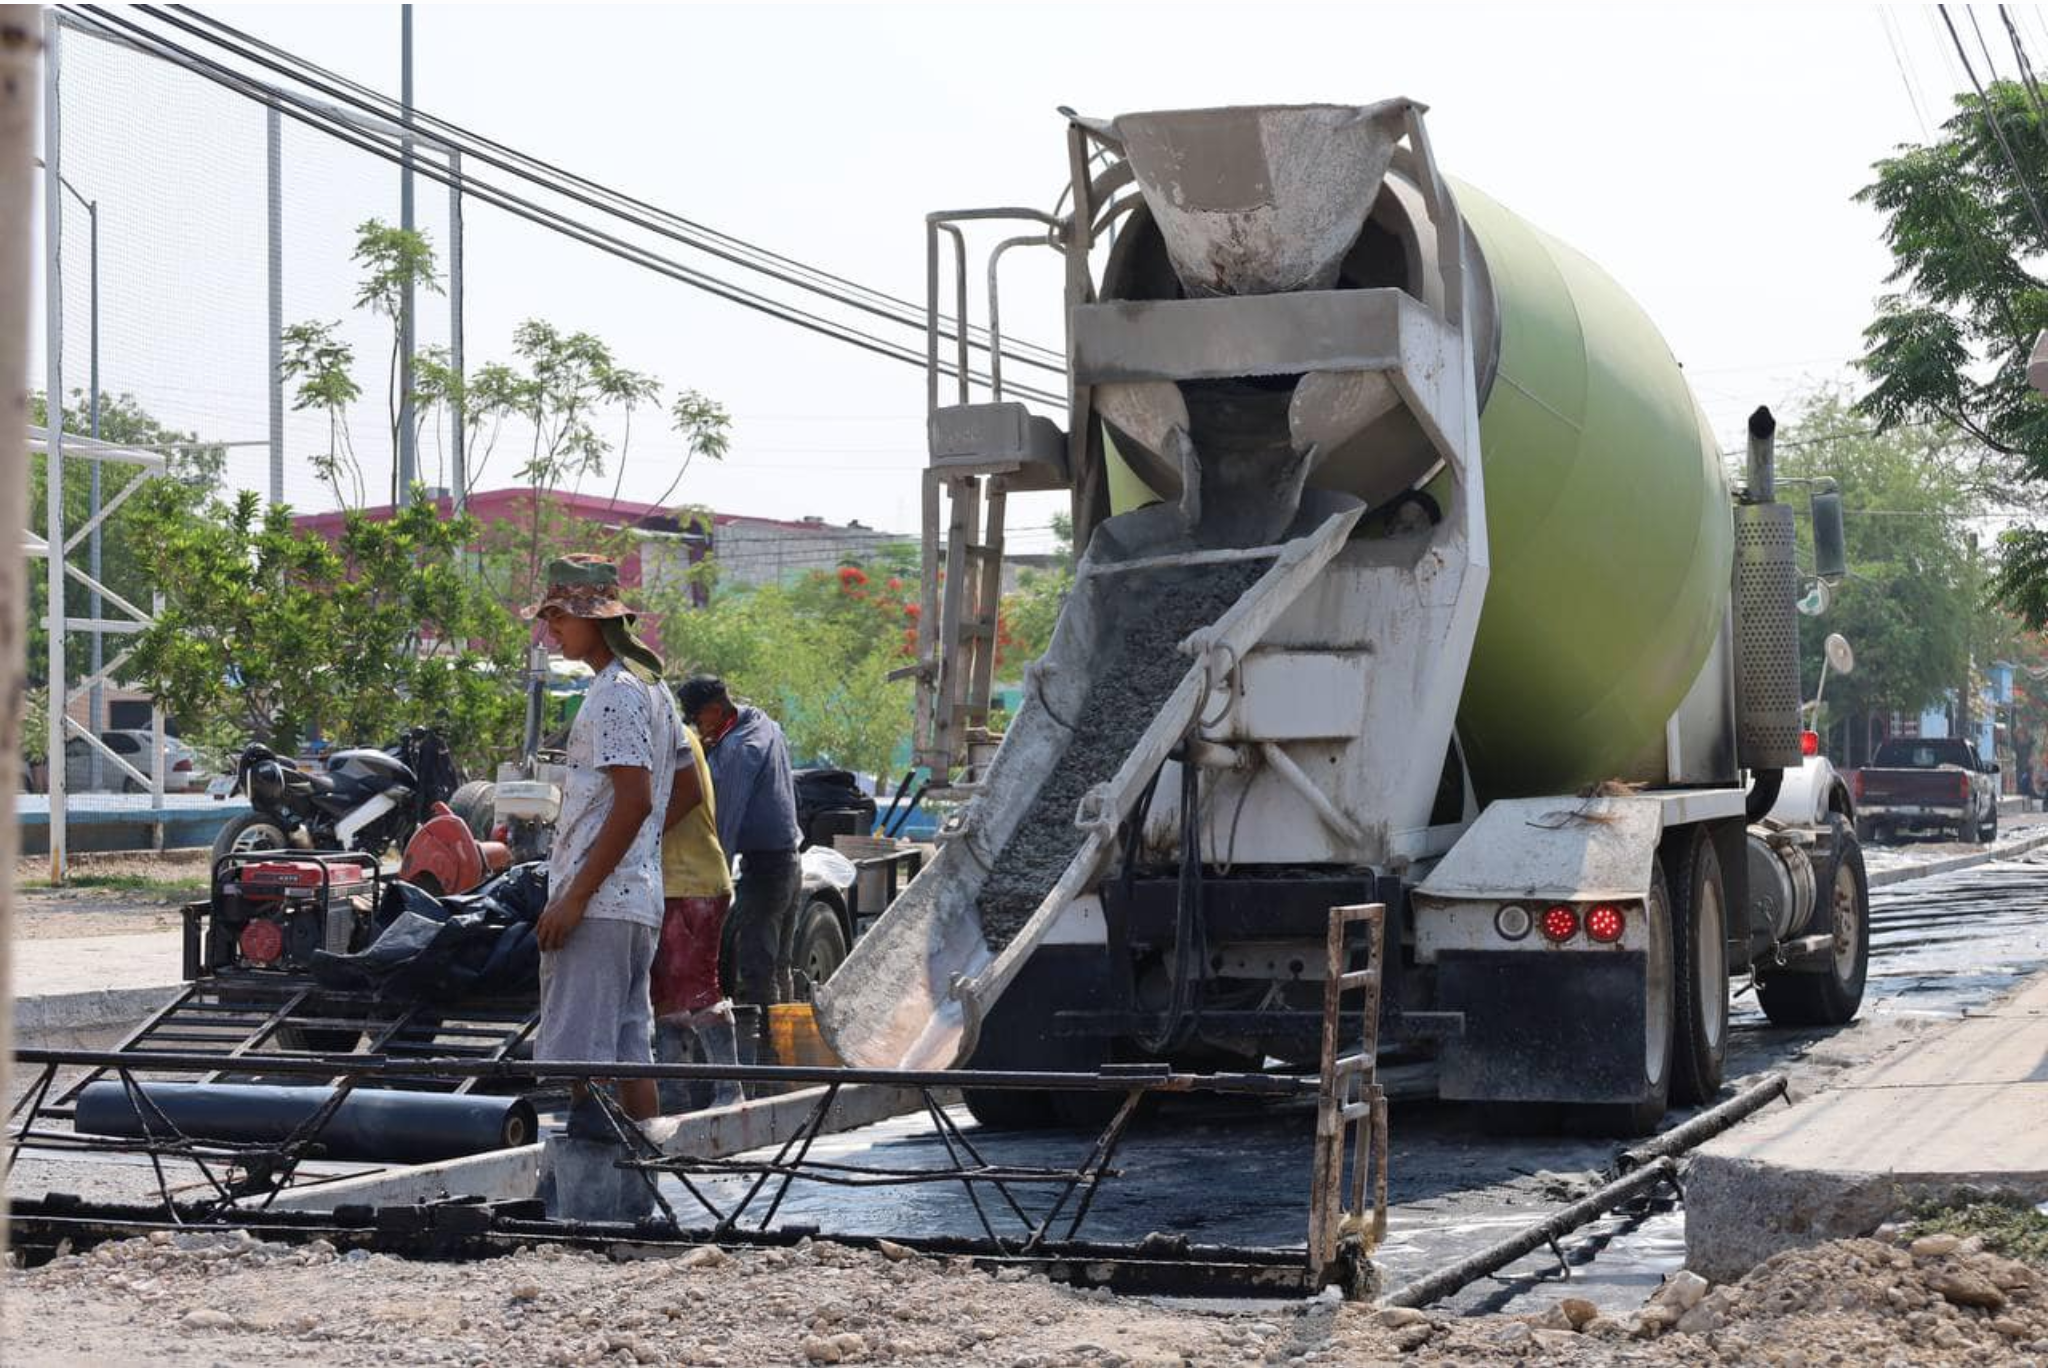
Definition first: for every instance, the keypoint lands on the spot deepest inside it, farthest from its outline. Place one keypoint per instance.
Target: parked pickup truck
(1926, 785)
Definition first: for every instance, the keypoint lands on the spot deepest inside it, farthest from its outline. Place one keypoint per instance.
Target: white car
(182, 770)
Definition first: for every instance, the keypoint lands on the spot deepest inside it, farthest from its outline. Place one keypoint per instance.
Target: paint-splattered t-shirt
(622, 723)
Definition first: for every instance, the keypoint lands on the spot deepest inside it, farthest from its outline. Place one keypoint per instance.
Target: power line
(2026, 70)
(1997, 126)
(726, 246)
(314, 116)
(1884, 21)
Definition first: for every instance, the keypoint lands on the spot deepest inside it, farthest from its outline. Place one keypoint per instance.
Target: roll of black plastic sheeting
(379, 1124)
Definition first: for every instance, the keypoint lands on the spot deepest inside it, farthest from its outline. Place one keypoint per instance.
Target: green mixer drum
(1608, 518)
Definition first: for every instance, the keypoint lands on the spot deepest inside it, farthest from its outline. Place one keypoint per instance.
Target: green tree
(1034, 608)
(816, 653)
(280, 634)
(188, 462)
(1950, 343)
(395, 261)
(320, 361)
(1915, 604)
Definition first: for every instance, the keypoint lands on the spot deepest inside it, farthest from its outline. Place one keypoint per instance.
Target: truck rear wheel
(1699, 947)
(1660, 1011)
(1022, 1033)
(1832, 996)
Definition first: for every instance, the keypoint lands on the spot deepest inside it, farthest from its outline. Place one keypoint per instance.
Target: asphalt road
(1239, 1174)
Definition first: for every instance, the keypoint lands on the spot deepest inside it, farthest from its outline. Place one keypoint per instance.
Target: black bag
(829, 803)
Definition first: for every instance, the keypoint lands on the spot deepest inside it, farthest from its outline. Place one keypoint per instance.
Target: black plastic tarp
(472, 944)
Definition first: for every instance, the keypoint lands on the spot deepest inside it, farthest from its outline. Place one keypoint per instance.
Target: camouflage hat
(584, 586)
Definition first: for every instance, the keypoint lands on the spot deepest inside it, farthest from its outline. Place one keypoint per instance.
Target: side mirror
(1830, 550)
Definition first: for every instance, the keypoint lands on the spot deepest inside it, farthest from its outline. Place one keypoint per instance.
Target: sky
(1706, 156)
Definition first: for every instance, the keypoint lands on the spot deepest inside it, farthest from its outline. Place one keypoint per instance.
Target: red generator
(270, 911)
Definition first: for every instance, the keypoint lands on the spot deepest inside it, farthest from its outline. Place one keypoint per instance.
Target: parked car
(183, 772)
(1927, 785)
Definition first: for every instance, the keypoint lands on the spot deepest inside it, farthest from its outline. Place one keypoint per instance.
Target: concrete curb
(53, 1012)
(1950, 864)
(513, 1174)
(1959, 1108)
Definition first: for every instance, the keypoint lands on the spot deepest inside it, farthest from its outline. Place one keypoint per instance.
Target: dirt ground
(220, 1299)
(117, 893)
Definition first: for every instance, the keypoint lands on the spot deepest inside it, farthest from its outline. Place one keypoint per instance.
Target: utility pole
(458, 455)
(20, 32)
(273, 120)
(408, 458)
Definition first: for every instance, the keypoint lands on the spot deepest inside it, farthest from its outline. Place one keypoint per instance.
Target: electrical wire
(1884, 21)
(2027, 81)
(1997, 127)
(474, 146)
(114, 28)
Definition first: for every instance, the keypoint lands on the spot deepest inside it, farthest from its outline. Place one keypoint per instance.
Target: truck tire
(820, 947)
(1699, 951)
(1660, 1004)
(1831, 996)
(1866, 830)
(1989, 831)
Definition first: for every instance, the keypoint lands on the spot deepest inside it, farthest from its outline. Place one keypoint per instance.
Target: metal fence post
(53, 462)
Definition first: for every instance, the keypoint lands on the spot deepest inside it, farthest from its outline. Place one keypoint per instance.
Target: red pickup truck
(1923, 786)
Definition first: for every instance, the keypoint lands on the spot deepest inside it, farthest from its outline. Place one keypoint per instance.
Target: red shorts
(685, 977)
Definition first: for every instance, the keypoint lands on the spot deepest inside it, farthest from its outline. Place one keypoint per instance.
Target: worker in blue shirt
(757, 821)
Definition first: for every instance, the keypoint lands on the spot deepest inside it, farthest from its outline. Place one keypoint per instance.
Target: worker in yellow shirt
(693, 1019)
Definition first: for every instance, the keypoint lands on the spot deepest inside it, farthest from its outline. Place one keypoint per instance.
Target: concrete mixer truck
(1409, 574)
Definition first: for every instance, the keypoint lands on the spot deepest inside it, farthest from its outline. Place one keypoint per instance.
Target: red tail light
(1605, 923)
(183, 767)
(1560, 923)
(1809, 743)
(1962, 786)
(1856, 785)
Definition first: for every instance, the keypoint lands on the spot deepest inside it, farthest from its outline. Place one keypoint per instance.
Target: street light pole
(408, 466)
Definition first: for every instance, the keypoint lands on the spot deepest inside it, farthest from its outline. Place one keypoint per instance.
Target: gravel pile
(215, 1299)
(1150, 614)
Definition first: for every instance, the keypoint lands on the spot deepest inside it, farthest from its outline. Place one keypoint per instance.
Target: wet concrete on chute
(1239, 1174)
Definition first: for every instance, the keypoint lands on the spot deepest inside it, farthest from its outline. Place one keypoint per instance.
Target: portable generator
(270, 910)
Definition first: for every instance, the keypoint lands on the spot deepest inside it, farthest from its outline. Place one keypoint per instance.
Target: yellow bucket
(793, 1037)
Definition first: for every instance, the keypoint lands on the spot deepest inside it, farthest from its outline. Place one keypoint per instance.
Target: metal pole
(95, 714)
(53, 347)
(408, 458)
(274, 163)
(458, 460)
(18, 44)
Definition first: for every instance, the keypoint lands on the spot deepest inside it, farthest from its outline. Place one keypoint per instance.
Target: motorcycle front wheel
(250, 831)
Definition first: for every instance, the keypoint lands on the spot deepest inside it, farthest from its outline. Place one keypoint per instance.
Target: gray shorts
(593, 995)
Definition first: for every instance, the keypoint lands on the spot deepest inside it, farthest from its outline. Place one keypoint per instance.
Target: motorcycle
(366, 800)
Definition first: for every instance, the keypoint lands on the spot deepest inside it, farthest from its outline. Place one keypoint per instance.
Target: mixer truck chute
(1409, 574)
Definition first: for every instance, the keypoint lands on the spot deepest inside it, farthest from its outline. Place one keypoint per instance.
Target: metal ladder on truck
(980, 452)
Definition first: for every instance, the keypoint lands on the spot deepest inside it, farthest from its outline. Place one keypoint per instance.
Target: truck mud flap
(1543, 1027)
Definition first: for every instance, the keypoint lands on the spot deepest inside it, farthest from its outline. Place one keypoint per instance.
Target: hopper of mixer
(1261, 199)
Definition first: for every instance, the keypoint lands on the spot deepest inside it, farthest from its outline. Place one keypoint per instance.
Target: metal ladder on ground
(1351, 1109)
